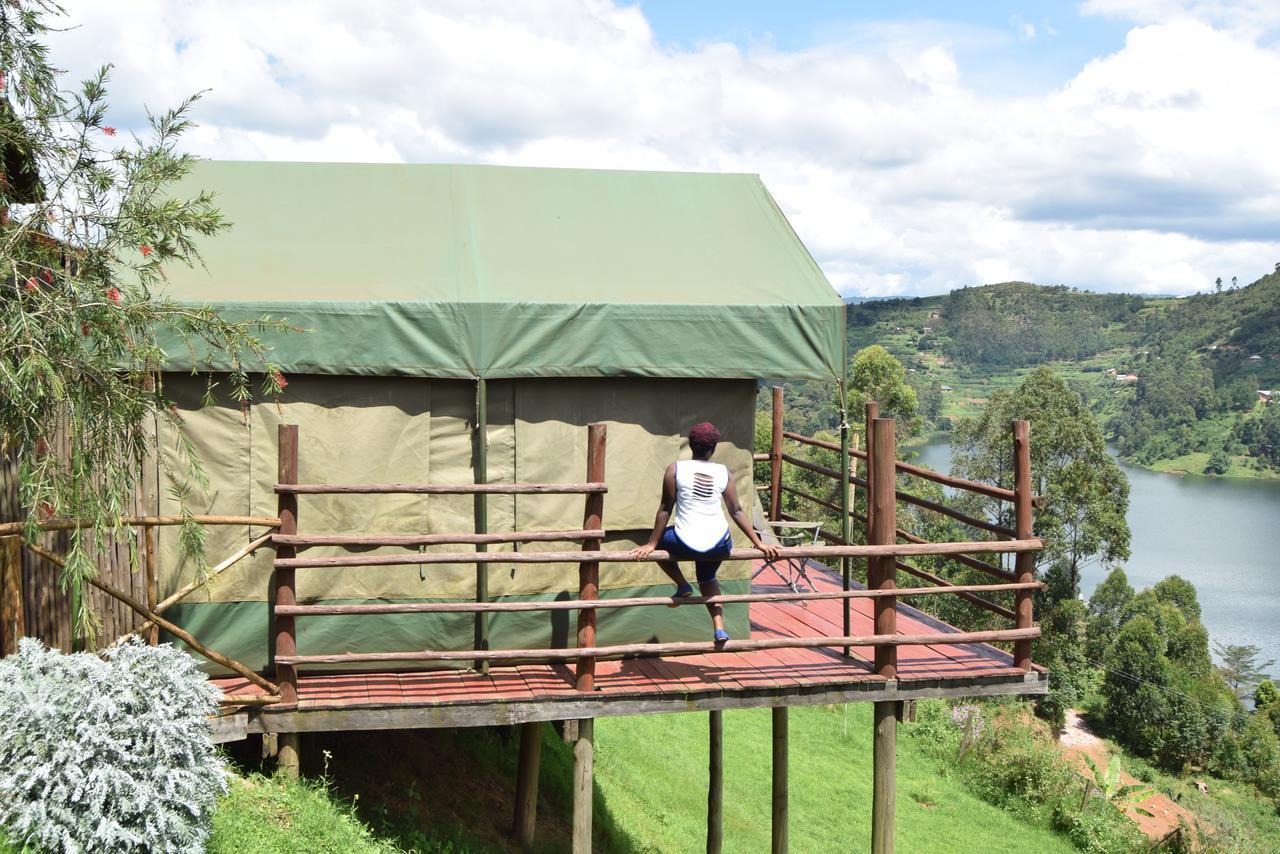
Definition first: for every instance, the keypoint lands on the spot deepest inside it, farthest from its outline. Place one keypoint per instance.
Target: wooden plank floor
(634, 686)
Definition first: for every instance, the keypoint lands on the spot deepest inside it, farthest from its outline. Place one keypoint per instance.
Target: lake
(1218, 533)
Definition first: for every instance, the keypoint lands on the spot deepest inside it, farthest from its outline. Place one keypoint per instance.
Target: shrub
(106, 754)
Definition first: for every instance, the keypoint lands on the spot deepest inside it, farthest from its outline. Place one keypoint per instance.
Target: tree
(876, 375)
(1086, 494)
(1109, 607)
(1240, 666)
(1217, 284)
(86, 232)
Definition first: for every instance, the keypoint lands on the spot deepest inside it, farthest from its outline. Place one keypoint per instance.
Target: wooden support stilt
(882, 507)
(526, 818)
(715, 782)
(583, 786)
(775, 458)
(846, 501)
(589, 571)
(1025, 562)
(780, 794)
(285, 592)
(884, 760)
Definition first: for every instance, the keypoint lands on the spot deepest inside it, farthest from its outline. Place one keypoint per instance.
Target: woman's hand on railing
(771, 551)
(643, 552)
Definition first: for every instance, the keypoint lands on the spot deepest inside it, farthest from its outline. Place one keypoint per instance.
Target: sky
(916, 147)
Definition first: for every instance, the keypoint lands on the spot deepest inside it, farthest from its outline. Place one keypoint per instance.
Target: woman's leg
(672, 569)
(712, 588)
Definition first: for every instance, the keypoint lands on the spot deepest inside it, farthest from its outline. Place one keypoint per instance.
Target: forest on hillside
(1176, 381)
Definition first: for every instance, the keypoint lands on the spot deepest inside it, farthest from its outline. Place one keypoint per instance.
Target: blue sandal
(684, 591)
(721, 636)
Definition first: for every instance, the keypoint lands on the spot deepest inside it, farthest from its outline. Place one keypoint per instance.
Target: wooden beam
(883, 550)
(319, 716)
(13, 623)
(302, 541)
(589, 570)
(775, 458)
(583, 786)
(12, 528)
(641, 601)
(526, 817)
(441, 489)
(780, 796)
(947, 587)
(152, 580)
(715, 781)
(1025, 563)
(671, 649)
(481, 518)
(884, 760)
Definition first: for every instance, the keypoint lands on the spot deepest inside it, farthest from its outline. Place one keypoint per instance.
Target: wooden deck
(536, 692)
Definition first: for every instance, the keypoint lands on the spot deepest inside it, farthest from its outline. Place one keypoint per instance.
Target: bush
(106, 754)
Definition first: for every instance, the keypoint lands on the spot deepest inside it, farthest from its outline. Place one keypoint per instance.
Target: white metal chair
(793, 570)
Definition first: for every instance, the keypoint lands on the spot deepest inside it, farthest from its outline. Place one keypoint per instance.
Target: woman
(693, 489)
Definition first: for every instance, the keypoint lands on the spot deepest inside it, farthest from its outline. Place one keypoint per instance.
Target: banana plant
(1122, 796)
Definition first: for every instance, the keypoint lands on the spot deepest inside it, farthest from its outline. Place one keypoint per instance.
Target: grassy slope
(652, 773)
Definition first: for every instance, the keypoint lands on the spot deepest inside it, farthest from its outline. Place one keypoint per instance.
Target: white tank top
(700, 522)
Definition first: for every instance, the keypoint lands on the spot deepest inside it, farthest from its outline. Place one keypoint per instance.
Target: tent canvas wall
(644, 300)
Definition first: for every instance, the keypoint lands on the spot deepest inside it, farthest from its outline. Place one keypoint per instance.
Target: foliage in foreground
(106, 754)
(90, 227)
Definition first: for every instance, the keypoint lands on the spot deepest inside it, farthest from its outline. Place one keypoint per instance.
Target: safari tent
(546, 299)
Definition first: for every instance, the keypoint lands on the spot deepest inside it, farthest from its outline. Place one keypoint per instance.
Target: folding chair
(791, 534)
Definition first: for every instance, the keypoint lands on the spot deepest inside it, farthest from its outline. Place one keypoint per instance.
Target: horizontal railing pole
(821, 502)
(947, 587)
(820, 443)
(893, 550)
(993, 571)
(982, 524)
(441, 489)
(759, 458)
(826, 536)
(654, 650)
(822, 470)
(11, 528)
(303, 541)
(574, 604)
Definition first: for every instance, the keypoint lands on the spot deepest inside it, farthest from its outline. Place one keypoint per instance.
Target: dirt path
(1077, 740)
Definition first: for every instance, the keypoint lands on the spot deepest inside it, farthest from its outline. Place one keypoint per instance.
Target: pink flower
(47, 276)
(145, 250)
(84, 330)
(109, 131)
(113, 294)
(1, 80)
(32, 285)
(279, 379)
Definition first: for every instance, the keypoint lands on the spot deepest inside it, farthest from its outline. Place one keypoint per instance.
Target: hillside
(1176, 380)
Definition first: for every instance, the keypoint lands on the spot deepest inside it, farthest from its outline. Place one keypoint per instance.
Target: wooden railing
(880, 525)
(883, 551)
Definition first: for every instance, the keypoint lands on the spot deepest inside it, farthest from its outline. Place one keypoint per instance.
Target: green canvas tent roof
(509, 272)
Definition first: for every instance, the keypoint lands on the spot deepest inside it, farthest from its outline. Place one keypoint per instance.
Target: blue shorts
(708, 562)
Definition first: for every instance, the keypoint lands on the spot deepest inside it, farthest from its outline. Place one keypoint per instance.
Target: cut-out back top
(699, 516)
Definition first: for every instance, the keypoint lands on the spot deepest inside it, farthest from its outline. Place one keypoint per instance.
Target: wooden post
(780, 795)
(715, 782)
(527, 782)
(285, 590)
(1025, 562)
(882, 507)
(481, 641)
(846, 563)
(884, 747)
(12, 615)
(871, 413)
(149, 558)
(589, 571)
(775, 458)
(884, 526)
(582, 786)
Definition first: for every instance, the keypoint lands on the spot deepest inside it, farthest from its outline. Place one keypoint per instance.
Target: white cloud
(1147, 171)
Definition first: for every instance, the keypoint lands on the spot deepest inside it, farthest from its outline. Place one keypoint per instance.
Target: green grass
(267, 815)
(651, 771)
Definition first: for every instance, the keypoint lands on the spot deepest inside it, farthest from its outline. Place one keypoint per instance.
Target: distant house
(1111, 372)
(1255, 358)
(1268, 397)
(1126, 378)
(947, 388)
